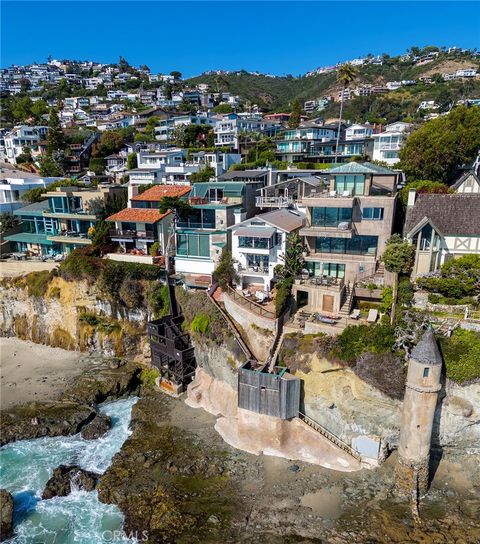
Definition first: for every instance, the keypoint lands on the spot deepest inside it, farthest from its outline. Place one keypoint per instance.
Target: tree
(438, 148)
(223, 108)
(7, 221)
(398, 258)
(422, 186)
(347, 74)
(97, 166)
(38, 109)
(52, 165)
(225, 274)
(202, 175)
(132, 161)
(293, 257)
(55, 136)
(111, 141)
(295, 115)
(176, 75)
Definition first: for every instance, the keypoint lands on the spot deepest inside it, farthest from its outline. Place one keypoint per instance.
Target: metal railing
(252, 306)
(329, 436)
(132, 234)
(323, 281)
(280, 201)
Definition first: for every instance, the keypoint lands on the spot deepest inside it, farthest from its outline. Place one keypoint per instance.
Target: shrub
(37, 283)
(101, 323)
(148, 377)
(405, 292)
(384, 371)
(282, 296)
(435, 298)
(158, 299)
(461, 354)
(131, 293)
(200, 323)
(154, 249)
(356, 340)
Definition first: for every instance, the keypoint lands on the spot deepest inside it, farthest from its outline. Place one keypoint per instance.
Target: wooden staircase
(330, 436)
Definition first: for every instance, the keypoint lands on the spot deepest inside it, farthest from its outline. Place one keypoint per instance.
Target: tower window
(426, 372)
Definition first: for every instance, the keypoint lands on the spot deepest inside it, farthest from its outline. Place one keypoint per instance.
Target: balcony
(324, 282)
(343, 229)
(70, 237)
(119, 235)
(273, 201)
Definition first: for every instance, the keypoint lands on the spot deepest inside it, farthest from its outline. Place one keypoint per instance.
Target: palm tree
(347, 74)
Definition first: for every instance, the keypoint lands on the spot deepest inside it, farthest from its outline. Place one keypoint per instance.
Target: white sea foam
(78, 518)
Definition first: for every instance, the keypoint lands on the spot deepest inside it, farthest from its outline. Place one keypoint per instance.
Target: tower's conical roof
(426, 351)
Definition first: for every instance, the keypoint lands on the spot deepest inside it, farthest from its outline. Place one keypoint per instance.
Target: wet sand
(33, 372)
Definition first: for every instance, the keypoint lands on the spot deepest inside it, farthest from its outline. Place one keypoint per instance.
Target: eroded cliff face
(56, 319)
(343, 403)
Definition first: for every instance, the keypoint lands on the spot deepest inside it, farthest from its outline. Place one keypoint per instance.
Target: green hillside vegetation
(276, 94)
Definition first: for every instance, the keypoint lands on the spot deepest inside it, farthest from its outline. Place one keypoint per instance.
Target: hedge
(461, 354)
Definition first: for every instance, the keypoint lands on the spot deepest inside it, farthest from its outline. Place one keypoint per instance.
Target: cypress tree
(55, 137)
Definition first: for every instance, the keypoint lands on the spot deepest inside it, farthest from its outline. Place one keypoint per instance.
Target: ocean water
(79, 518)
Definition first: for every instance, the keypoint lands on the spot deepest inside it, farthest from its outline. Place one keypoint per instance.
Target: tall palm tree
(347, 74)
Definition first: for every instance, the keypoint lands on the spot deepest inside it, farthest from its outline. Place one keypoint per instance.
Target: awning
(255, 232)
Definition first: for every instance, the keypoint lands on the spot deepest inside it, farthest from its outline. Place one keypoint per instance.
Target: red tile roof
(155, 194)
(138, 215)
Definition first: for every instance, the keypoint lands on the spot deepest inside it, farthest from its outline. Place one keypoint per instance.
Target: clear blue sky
(277, 37)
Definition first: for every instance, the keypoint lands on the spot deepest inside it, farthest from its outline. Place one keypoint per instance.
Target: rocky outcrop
(68, 478)
(77, 408)
(37, 420)
(213, 395)
(6, 514)
(56, 318)
(96, 428)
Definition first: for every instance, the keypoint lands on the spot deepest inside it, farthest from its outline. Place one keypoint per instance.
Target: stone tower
(421, 393)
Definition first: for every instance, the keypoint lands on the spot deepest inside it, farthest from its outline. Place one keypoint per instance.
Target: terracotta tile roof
(155, 194)
(138, 215)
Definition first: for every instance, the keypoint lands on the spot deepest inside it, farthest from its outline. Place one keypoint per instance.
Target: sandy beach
(33, 372)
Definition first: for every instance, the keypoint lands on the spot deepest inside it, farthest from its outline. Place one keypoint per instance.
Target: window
(426, 372)
(215, 195)
(372, 214)
(258, 261)
(356, 245)
(330, 217)
(193, 245)
(334, 270)
(254, 243)
(354, 184)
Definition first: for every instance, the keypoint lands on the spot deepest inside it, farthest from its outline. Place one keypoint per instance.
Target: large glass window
(197, 218)
(354, 184)
(193, 245)
(254, 243)
(356, 245)
(258, 263)
(330, 217)
(372, 214)
(426, 238)
(334, 270)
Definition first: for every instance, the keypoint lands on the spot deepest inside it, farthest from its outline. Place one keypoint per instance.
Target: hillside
(276, 93)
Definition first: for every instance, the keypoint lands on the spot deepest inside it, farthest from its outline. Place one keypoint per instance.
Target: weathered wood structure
(275, 393)
(171, 349)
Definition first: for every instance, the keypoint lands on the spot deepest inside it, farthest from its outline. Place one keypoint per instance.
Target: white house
(21, 137)
(228, 129)
(387, 144)
(428, 105)
(259, 245)
(14, 184)
(355, 132)
(151, 165)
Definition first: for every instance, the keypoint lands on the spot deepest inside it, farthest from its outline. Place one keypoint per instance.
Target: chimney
(132, 191)
(240, 215)
(412, 196)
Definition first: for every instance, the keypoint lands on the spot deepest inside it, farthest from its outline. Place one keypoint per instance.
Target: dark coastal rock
(6, 514)
(36, 420)
(69, 415)
(97, 427)
(67, 478)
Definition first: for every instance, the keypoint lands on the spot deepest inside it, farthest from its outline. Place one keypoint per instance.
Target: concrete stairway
(330, 436)
(347, 305)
